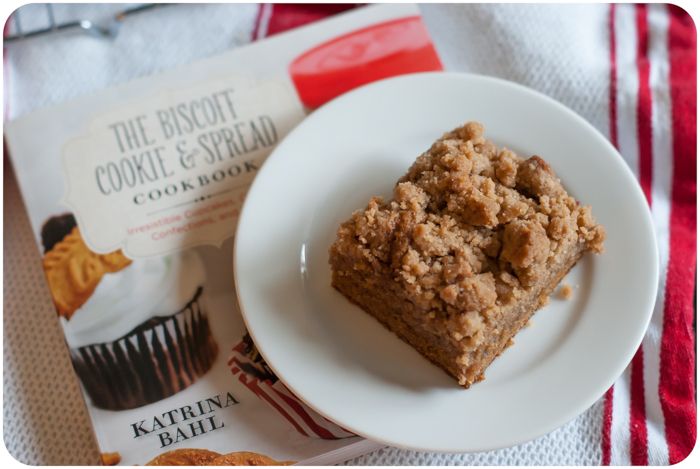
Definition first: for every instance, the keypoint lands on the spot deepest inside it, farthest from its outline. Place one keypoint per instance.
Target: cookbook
(134, 193)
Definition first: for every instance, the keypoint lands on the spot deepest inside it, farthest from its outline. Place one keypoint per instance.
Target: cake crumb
(566, 291)
(110, 459)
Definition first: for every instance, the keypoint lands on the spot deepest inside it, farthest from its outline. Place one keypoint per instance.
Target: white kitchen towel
(628, 69)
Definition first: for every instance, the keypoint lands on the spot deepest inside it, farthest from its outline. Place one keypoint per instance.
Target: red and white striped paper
(299, 415)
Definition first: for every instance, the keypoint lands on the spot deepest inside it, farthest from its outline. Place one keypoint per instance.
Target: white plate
(349, 368)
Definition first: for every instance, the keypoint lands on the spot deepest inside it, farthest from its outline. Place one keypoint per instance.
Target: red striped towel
(650, 412)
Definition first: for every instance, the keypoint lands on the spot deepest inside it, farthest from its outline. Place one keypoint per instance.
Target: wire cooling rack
(107, 28)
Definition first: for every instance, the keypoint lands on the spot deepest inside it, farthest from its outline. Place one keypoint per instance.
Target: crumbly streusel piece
(473, 241)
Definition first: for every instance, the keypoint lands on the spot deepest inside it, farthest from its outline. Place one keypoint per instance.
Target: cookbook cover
(134, 194)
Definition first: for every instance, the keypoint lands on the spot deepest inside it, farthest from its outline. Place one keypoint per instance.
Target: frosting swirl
(123, 300)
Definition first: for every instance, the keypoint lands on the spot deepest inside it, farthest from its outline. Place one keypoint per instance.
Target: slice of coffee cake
(472, 243)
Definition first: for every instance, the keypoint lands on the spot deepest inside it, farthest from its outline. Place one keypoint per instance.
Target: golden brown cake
(472, 243)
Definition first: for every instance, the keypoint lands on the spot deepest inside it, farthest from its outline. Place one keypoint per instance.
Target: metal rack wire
(107, 29)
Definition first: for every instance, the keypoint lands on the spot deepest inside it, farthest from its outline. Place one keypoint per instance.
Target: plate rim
(619, 162)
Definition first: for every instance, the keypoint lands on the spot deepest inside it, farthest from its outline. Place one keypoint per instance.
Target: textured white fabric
(575, 444)
(559, 50)
(50, 69)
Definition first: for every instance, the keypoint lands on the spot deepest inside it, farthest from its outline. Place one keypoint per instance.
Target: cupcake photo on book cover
(137, 330)
(250, 368)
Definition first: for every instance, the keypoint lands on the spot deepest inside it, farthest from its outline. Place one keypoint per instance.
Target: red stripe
(320, 431)
(613, 76)
(239, 347)
(639, 453)
(608, 404)
(607, 424)
(286, 16)
(643, 101)
(677, 386)
(241, 365)
(253, 386)
(258, 19)
(235, 360)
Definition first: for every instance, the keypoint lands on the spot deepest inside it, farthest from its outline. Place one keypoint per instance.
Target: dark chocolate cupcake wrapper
(157, 359)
